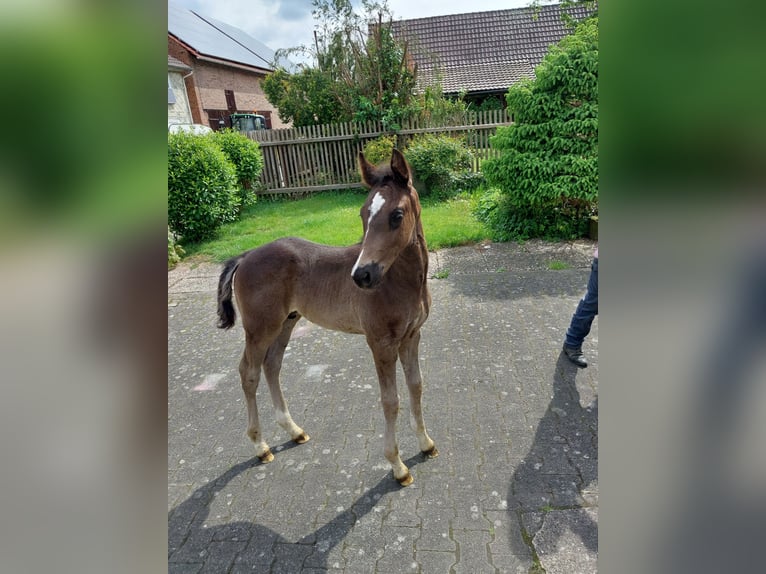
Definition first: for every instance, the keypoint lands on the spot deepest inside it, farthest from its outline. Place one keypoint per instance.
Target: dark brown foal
(377, 288)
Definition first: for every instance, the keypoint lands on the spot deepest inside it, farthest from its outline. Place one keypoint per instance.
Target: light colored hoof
(432, 453)
(406, 480)
(301, 438)
(266, 457)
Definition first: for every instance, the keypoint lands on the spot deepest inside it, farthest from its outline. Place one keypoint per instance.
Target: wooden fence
(316, 158)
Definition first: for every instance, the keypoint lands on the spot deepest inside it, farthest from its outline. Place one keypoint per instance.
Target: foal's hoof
(301, 438)
(406, 480)
(266, 457)
(431, 453)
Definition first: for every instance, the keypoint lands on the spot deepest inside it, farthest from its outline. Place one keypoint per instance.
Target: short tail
(226, 313)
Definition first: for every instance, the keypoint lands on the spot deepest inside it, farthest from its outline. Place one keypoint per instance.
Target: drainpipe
(188, 105)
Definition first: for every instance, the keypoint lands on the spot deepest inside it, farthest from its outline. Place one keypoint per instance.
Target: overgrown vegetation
(360, 72)
(545, 182)
(379, 150)
(441, 165)
(175, 251)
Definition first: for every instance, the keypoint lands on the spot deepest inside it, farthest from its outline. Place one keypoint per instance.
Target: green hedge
(246, 156)
(547, 170)
(202, 187)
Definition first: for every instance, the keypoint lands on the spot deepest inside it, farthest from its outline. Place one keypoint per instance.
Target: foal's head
(390, 217)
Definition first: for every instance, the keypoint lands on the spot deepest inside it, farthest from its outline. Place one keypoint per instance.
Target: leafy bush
(246, 156)
(441, 163)
(202, 187)
(379, 150)
(508, 222)
(548, 163)
(489, 104)
(175, 251)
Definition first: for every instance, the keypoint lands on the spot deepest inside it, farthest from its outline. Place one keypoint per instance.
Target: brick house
(227, 67)
(484, 53)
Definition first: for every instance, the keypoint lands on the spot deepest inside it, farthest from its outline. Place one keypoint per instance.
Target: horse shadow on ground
(249, 547)
(561, 463)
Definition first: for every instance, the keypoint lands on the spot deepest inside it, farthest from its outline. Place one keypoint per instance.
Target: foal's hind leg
(250, 375)
(408, 355)
(271, 367)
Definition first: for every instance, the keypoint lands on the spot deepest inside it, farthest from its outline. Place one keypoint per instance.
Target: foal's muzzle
(367, 276)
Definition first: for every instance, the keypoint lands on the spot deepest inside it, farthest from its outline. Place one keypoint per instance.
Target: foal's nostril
(365, 277)
(362, 277)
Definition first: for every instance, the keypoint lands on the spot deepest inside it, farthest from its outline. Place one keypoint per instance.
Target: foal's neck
(413, 259)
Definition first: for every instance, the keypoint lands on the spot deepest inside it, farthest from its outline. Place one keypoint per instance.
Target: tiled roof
(489, 76)
(215, 39)
(481, 51)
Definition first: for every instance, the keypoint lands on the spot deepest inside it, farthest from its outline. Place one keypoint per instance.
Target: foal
(376, 288)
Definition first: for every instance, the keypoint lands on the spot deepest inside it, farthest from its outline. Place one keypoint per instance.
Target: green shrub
(202, 187)
(175, 251)
(509, 222)
(490, 104)
(548, 163)
(379, 150)
(246, 156)
(442, 164)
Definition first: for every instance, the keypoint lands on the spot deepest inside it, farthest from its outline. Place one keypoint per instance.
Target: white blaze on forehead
(377, 203)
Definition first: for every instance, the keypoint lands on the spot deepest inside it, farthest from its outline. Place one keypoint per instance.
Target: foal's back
(295, 275)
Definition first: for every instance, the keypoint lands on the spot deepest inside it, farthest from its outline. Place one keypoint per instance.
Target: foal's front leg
(385, 365)
(408, 354)
(272, 365)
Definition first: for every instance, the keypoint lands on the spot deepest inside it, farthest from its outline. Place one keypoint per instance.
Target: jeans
(586, 311)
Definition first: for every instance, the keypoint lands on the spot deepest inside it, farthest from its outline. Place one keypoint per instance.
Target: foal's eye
(395, 219)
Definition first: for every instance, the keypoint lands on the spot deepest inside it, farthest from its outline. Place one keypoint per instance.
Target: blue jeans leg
(586, 311)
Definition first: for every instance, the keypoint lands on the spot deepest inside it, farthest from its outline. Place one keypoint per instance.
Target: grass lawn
(333, 218)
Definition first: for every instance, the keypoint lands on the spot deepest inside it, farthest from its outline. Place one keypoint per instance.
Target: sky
(288, 23)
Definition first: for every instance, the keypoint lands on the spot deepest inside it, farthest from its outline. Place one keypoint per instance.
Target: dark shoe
(575, 355)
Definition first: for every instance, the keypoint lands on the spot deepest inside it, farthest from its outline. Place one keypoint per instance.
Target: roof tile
(482, 51)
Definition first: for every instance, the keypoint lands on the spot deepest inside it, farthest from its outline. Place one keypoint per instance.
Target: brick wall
(210, 81)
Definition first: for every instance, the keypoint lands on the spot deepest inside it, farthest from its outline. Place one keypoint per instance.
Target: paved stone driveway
(515, 488)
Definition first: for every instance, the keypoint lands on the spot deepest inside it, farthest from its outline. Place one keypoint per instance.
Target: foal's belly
(336, 324)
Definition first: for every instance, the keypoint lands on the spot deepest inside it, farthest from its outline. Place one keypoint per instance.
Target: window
(171, 95)
(230, 103)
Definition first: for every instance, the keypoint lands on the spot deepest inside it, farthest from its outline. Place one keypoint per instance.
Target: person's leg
(582, 319)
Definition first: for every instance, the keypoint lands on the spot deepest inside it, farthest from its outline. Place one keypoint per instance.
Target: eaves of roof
(177, 65)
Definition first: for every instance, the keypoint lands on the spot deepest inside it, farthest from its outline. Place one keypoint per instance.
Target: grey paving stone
(567, 543)
(473, 551)
(516, 425)
(431, 561)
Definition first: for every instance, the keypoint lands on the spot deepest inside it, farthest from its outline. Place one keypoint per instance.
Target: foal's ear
(400, 168)
(367, 170)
